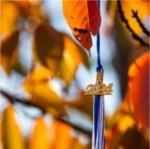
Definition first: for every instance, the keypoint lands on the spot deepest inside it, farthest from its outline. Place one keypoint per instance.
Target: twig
(12, 99)
(144, 29)
(125, 21)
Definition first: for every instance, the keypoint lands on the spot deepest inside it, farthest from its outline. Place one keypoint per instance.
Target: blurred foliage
(11, 132)
(57, 57)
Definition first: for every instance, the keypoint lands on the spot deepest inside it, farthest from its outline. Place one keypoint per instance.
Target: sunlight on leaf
(13, 138)
(42, 136)
(125, 123)
(73, 56)
(63, 135)
(9, 17)
(143, 11)
(83, 17)
(138, 89)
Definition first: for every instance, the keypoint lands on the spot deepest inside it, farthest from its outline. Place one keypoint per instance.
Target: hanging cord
(98, 117)
(99, 67)
(98, 108)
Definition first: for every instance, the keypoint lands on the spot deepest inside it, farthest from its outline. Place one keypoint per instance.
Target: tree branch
(12, 99)
(144, 29)
(125, 21)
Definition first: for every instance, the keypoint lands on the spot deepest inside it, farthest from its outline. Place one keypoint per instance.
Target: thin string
(99, 67)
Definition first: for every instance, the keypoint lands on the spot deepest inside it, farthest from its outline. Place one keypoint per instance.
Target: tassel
(98, 109)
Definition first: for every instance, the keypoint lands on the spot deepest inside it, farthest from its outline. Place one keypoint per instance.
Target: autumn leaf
(142, 7)
(73, 56)
(42, 93)
(9, 17)
(48, 48)
(13, 138)
(1, 141)
(63, 135)
(138, 92)
(83, 18)
(9, 51)
(42, 135)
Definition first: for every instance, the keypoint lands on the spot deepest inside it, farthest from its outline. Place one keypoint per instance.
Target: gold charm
(99, 88)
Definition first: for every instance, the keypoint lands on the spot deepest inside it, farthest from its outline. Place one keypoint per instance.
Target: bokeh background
(44, 72)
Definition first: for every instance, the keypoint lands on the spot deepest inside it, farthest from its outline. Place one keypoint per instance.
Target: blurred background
(44, 72)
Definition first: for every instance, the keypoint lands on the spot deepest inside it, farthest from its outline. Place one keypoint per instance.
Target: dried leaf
(83, 17)
(48, 47)
(13, 138)
(9, 52)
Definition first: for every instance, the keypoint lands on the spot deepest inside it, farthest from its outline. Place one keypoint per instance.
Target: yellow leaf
(42, 136)
(13, 138)
(63, 136)
(125, 123)
(40, 74)
(142, 8)
(9, 17)
(9, 52)
(37, 85)
(1, 141)
(73, 56)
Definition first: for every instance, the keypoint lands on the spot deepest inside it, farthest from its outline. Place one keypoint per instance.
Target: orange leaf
(138, 89)
(42, 136)
(63, 136)
(13, 138)
(83, 18)
(9, 17)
